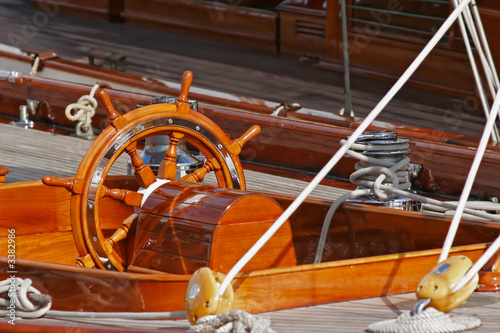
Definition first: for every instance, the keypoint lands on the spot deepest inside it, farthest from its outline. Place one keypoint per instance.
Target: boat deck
(342, 317)
(29, 157)
(237, 70)
(232, 69)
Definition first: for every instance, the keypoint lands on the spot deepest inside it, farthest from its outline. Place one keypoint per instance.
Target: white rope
(371, 174)
(83, 110)
(470, 179)
(472, 30)
(34, 67)
(17, 290)
(18, 303)
(428, 321)
(342, 150)
(236, 321)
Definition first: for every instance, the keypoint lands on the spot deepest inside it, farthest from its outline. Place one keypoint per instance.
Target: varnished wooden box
(185, 226)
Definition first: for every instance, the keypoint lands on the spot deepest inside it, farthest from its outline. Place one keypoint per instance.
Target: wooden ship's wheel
(179, 122)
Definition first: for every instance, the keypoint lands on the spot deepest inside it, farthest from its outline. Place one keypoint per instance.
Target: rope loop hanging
(83, 111)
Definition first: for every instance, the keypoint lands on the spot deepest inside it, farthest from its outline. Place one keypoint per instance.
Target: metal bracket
(24, 110)
(193, 104)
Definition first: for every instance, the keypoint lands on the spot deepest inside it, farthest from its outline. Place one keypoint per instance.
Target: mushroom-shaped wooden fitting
(202, 295)
(3, 172)
(438, 284)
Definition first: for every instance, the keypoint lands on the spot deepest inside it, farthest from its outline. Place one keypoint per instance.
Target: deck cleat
(438, 284)
(202, 295)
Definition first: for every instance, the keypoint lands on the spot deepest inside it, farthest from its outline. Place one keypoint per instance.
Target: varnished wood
(73, 185)
(3, 172)
(114, 117)
(237, 144)
(168, 167)
(197, 175)
(100, 9)
(215, 230)
(142, 172)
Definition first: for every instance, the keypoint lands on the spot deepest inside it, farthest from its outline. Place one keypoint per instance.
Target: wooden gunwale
(81, 72)
(253, 289)
(279, 145)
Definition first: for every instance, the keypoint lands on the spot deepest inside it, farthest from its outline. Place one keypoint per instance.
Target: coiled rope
(370, 176)
(19, 304)
(20, 291)
(427, 321)
(235, 321)
(83, 111)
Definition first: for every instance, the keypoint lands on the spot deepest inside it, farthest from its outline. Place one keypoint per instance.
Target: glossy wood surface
(401, 252)
(186, 226)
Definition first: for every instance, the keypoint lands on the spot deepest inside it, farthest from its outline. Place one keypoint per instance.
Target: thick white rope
(34, 67)
(370, 174)
(485, 44)
(83, 110)
(18, 303)
(470, 179)
(475, 27)
(428, 321)
(235, 321)
(342, 150)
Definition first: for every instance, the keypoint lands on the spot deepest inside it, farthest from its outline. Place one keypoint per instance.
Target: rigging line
(470, 179)
(482, 94)
(342, 150)
(480, 45)
(345, 52)
(482, 36)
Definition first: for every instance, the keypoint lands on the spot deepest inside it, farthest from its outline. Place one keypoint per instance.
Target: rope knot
(25, 300)
(83, 110)
(235, 321)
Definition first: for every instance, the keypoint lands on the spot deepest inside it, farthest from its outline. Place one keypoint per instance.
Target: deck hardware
(154, 152)
(193, 104)
(439, 283)
(382, 149)
(202, 295)
(10, 76)
(93, 54)
(31, 107)
(282, 109)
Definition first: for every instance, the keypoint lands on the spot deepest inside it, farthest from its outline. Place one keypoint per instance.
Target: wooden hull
(392, 251)
(82, 289)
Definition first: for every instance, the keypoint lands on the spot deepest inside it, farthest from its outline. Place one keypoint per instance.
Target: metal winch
(155, 147)
(377, 152)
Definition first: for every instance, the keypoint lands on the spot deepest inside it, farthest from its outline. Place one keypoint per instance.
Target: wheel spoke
(131, 198)
(142, 172)
(119, 234)
(197, 175)
(168, 167)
